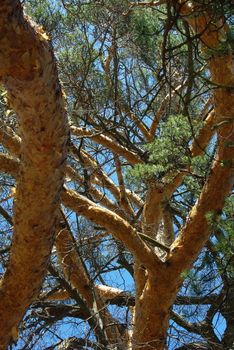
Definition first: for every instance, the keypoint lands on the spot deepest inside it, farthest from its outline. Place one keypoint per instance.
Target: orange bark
(152, 311)
(98, 195)
(29, 75)
(119, 227)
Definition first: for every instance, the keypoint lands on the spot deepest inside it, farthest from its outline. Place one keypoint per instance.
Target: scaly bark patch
(29, 74)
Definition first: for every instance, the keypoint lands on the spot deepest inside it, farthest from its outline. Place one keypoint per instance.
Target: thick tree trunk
(153, 311)
(29, 74)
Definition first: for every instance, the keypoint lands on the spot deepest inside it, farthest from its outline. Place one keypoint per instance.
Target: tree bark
(29, 74)
(153, 311)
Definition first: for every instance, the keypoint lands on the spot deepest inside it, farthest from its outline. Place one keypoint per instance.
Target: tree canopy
(117, 148)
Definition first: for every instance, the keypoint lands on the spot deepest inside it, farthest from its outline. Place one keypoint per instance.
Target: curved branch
(106, 141)
(120, 228)
(29, 75)
(95, 193)
(100, 178)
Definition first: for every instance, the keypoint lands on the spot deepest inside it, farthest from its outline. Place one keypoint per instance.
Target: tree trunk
(29, 74)
(153, 311)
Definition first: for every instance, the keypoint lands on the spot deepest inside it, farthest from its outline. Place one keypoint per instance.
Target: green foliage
(199, 168)
(168, 152)
(144, 27)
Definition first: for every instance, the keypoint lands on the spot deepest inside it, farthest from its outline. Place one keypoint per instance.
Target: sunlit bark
(29, 75)
(120, 228)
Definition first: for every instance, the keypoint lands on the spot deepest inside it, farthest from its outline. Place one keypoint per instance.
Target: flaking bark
(29, 74)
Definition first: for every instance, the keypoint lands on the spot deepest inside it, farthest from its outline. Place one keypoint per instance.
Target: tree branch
(120, 228)
(106, 141)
